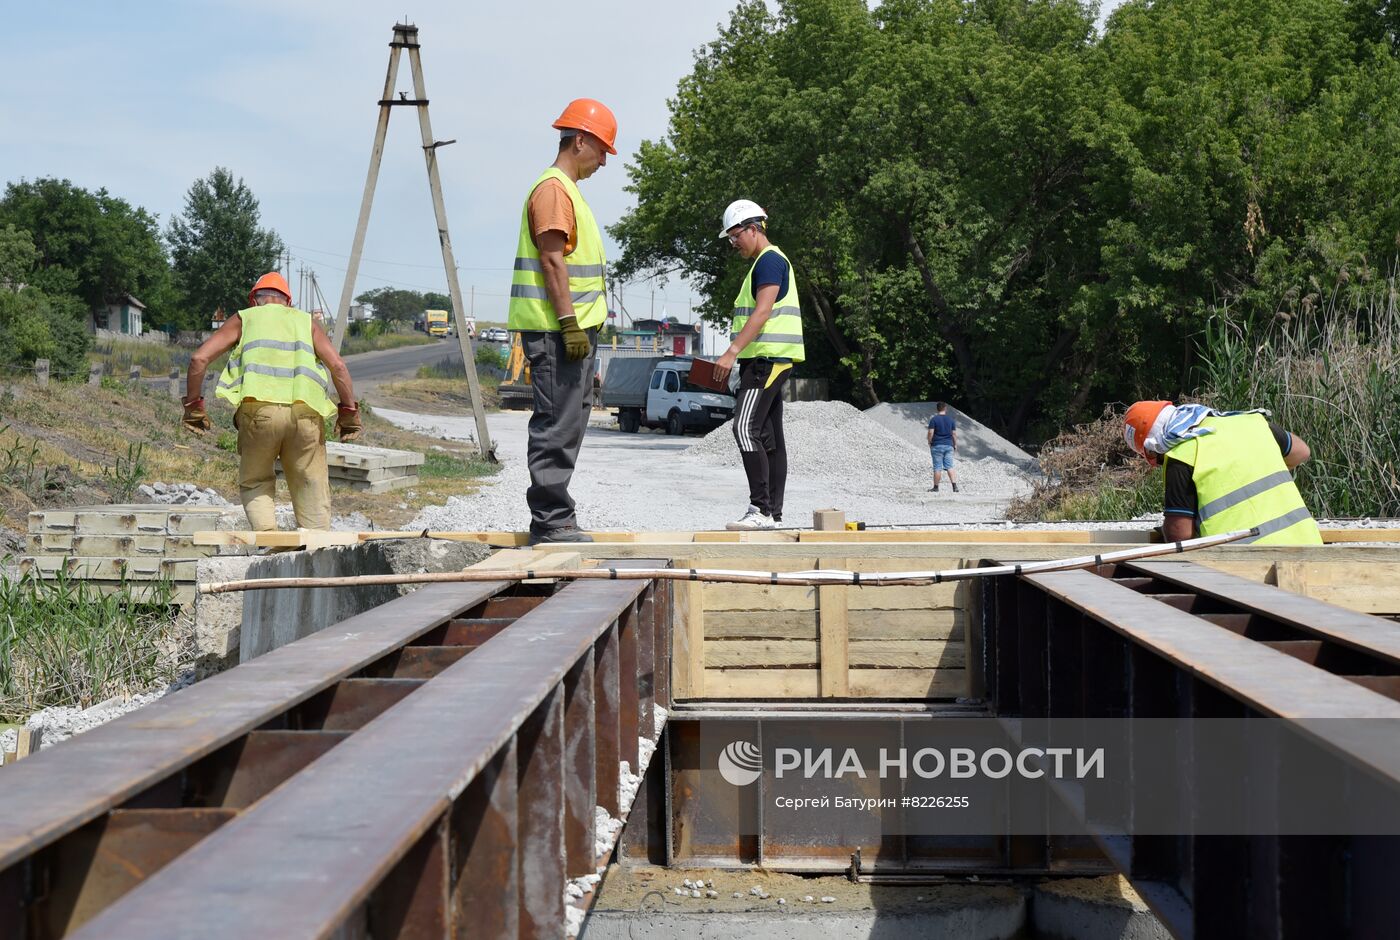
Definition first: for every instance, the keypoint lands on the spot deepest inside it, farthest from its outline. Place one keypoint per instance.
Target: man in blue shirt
(942, 442)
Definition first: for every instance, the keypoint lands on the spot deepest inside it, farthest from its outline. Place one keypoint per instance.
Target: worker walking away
(942, 442)
(766, 339)
(557, 302)
(1225, 471)
(278, 379)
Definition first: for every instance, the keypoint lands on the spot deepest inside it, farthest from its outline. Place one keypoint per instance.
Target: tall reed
(1332, 377)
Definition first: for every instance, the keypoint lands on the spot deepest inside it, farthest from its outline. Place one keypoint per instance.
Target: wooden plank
(297, 538)
(1290, 576)
(806, 683)
(27, 742)
(1333, 536)
(988, 536)
(882, 654)
(516, 558)
(938, 624)
(747, 537)
(833, 636)
(761, 597)
(690, 604)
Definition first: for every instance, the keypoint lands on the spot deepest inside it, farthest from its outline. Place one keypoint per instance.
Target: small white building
(122, 318)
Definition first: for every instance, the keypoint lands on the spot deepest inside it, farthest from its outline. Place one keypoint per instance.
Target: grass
(434, 395)
(362, 344)
(62, 642)
(442, 466)
(1329, 376)
(119, 356)
(73, 444)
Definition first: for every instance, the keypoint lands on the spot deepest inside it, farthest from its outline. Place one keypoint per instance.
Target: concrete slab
(1093, 909)
(275, 618)
(218, 618)
(642, 901)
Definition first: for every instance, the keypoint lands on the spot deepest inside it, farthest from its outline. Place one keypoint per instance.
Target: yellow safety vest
(1242, 482)
(275, 360)
(781, 336)
(530, 308)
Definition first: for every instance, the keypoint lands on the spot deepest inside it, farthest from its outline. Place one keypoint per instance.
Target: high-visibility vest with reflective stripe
(781, 336)
(1242, 482)
(530, 308)
(275, 360)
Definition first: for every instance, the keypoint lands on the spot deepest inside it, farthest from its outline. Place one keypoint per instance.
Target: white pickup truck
(654, 392)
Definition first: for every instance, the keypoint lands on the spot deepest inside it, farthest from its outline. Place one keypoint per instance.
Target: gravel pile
(908, 420)
(184, 494)
(832, 440)
(837, 457)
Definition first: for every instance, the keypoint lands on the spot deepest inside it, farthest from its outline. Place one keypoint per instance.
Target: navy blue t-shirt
(943, 427)
(771, 269)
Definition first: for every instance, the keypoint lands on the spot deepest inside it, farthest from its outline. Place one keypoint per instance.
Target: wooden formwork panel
(770, 641)
(831, 642)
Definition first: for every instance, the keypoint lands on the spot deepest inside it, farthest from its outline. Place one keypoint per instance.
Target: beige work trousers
(296, 434)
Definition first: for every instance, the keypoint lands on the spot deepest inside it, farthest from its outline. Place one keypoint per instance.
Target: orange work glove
(196, 418)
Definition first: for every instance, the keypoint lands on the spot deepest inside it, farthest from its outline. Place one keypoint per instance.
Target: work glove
(347, 422)
(576, 344)
(196, 418)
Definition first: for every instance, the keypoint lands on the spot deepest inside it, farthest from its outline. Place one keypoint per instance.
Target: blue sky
(145, 97)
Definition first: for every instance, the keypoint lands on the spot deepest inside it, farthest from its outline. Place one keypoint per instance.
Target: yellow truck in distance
(436, 322)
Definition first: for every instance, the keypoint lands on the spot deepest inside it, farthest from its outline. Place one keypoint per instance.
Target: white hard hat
(741, 210)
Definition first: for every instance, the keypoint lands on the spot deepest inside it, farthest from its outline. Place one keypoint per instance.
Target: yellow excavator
(515, 391)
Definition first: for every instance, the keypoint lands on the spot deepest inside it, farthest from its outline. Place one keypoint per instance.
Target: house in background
(122, 318)
(668, 336)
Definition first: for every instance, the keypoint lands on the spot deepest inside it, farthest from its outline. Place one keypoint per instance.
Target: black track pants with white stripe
(758, 429)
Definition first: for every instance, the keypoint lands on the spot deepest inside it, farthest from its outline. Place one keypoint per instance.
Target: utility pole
(406, 37)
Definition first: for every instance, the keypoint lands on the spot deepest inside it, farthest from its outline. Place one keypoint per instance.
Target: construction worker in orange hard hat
(1225, 471)
(557, 303)
(277, 378)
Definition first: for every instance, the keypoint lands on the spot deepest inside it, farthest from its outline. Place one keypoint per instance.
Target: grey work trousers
(563, 402)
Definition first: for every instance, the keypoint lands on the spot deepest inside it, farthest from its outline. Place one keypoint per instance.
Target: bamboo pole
(800, 578)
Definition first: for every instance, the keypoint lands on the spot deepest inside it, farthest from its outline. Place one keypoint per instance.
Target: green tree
(92, 245)
(34, 325)
(922, 165)
(394, 304)
(217, 247)
(985, 201)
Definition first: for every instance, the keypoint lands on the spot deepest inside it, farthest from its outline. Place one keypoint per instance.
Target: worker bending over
(766, 335)
(277, 380)
(1225, 471)
(557, 302)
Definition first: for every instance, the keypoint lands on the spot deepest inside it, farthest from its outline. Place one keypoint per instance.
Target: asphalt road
(386, 364)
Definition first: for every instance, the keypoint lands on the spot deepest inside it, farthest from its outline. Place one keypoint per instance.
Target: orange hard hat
(271, 281)
(586, 114)
(1137, 424)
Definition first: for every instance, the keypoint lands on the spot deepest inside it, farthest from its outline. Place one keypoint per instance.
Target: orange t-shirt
(551, 210)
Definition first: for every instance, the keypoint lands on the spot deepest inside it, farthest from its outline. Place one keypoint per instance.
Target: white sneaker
(751, 520)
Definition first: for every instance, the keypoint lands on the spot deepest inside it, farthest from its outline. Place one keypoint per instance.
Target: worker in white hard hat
(766, 339)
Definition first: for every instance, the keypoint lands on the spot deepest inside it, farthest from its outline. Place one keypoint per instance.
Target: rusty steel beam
(446, 812)
(58, 790)
(1195, 644)
(1373, 636)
